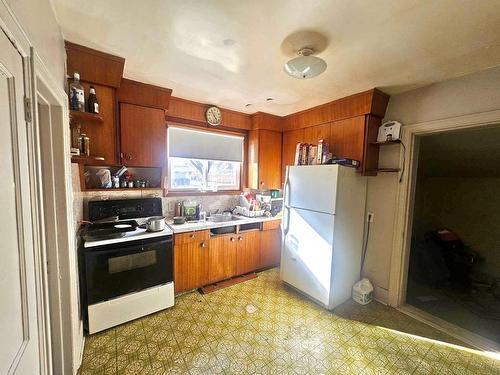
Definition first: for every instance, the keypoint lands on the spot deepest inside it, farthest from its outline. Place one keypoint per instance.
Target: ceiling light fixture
(306, 65)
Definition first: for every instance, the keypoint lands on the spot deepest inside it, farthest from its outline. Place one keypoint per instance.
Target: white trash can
(362, 292)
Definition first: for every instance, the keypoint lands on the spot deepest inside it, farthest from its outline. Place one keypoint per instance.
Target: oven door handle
(126, 248)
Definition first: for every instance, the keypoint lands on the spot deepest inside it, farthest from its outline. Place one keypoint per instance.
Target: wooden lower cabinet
(201, 260)
(191, 260)
(248, 252)
(222, 258)
(270, 248)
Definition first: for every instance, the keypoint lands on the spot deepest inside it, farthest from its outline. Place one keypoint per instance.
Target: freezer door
(312, 187)
(307, 252)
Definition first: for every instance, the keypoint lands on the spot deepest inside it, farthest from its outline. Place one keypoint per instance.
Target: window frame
(168, 191)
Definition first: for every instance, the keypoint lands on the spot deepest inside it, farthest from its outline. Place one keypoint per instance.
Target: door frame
(42, 88)
(406, 192)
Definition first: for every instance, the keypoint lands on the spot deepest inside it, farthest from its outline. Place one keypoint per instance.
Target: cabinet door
(269, 159)
(347, 138)
(190, 265)
(270, 248)
(222, 258)
(316, 133)
(248, 252)
(142, 136)
(290, 140)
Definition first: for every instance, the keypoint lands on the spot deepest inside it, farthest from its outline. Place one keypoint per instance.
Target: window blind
(196, 144)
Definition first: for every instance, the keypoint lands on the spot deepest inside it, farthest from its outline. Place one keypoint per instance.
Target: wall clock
(214, 116)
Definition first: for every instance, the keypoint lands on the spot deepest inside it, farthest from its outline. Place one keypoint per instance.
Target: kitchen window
(204, 161)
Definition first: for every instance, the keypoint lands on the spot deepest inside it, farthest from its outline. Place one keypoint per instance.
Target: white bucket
(362, 292)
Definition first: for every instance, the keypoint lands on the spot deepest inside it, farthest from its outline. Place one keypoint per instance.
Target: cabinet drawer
(189, 237)
(269, 225)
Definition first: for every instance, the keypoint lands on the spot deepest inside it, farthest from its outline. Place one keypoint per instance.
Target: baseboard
(470, 338)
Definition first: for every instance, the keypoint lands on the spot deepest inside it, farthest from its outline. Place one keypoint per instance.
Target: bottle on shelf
(76, 94)
(84, 145)
(92, 103)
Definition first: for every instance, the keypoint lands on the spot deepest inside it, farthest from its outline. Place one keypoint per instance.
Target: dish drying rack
(246, 212)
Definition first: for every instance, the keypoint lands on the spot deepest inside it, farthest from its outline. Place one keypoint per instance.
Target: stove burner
(123, 226)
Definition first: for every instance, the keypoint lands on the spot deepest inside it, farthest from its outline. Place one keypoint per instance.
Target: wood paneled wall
(368, 102)
(193, 113)
(94, 66)
(138, 93)
(261, 120)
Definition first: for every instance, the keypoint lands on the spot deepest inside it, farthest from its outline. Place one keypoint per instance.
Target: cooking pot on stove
(155, 224)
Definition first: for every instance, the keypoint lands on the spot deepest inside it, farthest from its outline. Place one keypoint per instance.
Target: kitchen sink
(222, 218)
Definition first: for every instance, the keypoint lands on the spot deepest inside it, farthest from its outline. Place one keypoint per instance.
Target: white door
(19, 351)
(306, 261)
(312, 187)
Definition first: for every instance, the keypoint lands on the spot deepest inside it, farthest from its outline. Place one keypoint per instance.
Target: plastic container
(362, 292)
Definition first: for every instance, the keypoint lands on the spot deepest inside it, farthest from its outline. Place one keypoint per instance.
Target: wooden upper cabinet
(354, 138)
(139, 93)
(248, 252)
(314, 134)
(94, 66)
(290, 140)
(143, 134)
(264, 164)
(347, 138)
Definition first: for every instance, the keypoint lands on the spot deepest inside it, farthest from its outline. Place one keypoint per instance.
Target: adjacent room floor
(263, 327)
(478, 312)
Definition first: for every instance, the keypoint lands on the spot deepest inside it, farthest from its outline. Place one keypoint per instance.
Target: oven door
(115, 270)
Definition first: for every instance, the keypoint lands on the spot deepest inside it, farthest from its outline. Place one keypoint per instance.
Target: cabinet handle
(203, 244)
(129, 157)
(232, 239)
(240, 238)
(193, 235)
(262, 183)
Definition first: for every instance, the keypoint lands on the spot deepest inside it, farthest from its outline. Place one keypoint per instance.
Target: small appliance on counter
(190, 210)
(125, 262)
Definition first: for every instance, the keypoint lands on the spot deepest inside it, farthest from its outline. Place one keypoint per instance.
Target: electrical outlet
(369, 217)
(171, 206)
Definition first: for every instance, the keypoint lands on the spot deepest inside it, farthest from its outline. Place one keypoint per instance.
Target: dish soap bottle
(92, 103)
(76, 96)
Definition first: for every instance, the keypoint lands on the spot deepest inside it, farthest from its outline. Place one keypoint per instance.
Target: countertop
(189, 227)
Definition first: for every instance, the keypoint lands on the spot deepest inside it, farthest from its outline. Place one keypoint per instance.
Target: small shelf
(124, 189)
(85, 117)
(389, 170)
(82, 159)
(396, 141)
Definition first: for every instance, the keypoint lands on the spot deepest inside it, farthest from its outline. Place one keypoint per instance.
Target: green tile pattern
(288, 334)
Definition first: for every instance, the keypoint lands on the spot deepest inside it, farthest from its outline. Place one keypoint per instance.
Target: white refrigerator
(323, 229)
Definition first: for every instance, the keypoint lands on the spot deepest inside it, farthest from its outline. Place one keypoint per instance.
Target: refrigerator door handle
(286, 228)
(286, 190)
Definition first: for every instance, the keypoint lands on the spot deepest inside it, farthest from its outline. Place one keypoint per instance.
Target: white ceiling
(395, 45)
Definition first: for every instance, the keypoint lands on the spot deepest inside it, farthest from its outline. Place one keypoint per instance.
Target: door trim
(36, 75)
(468, 337)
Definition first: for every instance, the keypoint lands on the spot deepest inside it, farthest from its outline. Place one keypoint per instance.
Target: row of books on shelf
(310, 154)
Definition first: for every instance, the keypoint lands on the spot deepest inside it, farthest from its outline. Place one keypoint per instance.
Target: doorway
(454, 260)
(412, 135)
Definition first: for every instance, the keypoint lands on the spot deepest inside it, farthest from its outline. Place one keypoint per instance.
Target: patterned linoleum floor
(287, 334)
